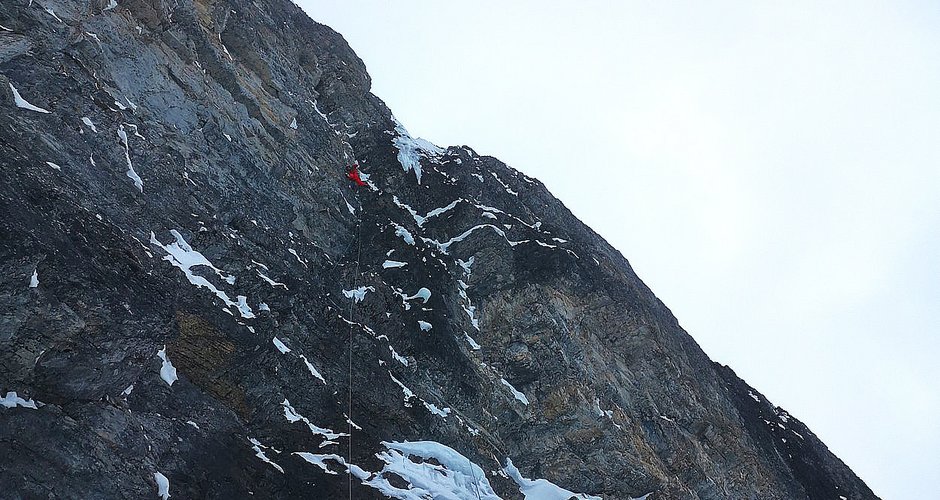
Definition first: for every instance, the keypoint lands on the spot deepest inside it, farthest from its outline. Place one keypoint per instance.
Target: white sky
(771, 170)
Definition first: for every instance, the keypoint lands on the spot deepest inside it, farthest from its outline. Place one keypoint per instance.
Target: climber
(354, 175)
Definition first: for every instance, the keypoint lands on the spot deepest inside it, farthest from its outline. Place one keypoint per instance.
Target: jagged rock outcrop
(194, 296)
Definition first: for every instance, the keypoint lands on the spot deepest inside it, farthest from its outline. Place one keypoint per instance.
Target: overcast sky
(771, 170)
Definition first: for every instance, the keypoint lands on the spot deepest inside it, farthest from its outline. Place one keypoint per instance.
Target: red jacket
(354, 175)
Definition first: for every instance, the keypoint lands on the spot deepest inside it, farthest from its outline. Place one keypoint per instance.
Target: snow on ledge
(542, 489)
(11, 400)
(515, 392)
(449, 476)
(181, 255)
(23, 103)
(358, 294)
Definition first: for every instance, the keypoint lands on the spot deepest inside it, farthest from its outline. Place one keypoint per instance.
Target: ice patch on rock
(410, 150)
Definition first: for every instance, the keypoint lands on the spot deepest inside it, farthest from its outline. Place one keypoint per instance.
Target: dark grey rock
(247, 115)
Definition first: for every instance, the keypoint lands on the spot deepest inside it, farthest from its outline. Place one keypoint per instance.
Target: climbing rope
(352, 303)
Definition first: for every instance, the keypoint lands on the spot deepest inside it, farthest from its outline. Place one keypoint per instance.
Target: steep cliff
(196, 300)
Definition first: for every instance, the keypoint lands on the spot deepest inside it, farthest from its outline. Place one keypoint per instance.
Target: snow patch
(432, 470)
(420, 220)
(422, 293)
(438, 211)
(393, 264)
(542, 489)
(131, 173)
(443, 247)
(466, 265)
(11, 400)
(256, 446)
(515, 392)
(88, 123)
(270, 281)
(358, 294)
(34, 279)
(280, 345)
(292, 416)
(313, 370)
(424, 325)
(473, 343)
(404, 389)
(320, 459)
(404, 234)
(398, 357)
(505, 186)
(297, 256)
(431, 407)
(243, 308)
(163, 485)
(181, 255)
(167, 370)
(23, 103)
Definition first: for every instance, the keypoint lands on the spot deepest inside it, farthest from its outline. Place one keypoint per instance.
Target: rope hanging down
(353, 174)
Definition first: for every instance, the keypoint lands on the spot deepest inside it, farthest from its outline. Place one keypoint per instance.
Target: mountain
(197, 301)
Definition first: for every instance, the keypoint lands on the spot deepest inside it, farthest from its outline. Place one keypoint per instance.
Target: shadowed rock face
(537, 342)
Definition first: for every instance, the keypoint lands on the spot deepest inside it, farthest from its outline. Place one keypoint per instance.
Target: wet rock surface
(174, 179)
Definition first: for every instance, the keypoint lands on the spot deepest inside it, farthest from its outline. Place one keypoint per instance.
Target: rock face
(195, 299)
